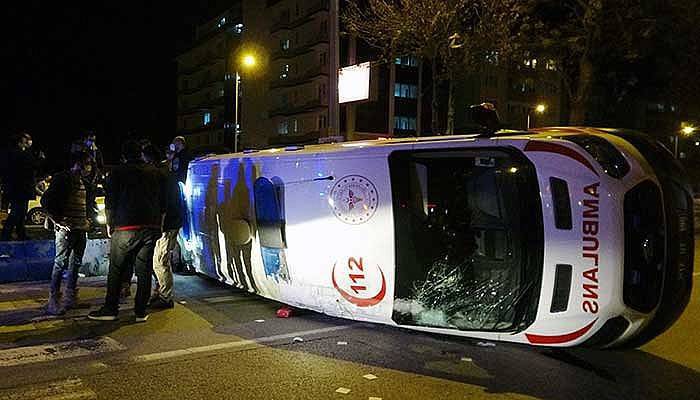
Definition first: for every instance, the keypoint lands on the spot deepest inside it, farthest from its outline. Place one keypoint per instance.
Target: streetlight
(687, 129)
(539, 109)
(247, 61)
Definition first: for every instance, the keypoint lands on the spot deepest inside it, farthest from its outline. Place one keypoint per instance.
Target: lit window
(221, 92)
(284, 44)
(405, 90)
(322, 122)
(283, 128)
(295, 125)
(405, 123)
(222, 22)
(284, 71)
(238, 28)
(207, 118)
(408, 61)
(550, 65)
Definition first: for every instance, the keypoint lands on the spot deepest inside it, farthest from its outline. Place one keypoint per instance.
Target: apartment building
(205, 81)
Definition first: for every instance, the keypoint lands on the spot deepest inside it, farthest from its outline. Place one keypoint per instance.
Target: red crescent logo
(358, 301)
(558, 339)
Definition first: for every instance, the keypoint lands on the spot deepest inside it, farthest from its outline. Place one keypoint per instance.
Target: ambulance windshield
(469, 239)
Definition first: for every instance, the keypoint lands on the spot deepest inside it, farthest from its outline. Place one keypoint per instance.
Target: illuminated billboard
(353, 83)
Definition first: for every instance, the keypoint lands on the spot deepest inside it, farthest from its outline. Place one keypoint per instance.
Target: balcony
(306, 77)
(287, 23)
(311, 105)
(302, 49)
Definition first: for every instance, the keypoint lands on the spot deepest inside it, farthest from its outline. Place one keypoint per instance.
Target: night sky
(108, 67)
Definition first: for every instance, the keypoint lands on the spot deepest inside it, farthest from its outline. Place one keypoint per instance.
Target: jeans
(18, 214)
(70, 247)
(131, 251)
(162, 263)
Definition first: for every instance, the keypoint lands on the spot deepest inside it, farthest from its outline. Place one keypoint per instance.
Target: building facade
(287, 93)
(205, 81)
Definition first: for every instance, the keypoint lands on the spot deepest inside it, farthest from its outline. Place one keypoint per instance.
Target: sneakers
(141, 317)
(124, 293)
(160, 303)
(102, 315)
(70, 299)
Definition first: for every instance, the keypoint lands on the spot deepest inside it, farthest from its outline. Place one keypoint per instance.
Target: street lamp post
(687, 130)
(248, 61)
(539, 109)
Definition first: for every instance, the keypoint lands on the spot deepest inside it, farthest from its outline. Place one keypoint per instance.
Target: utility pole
(333, 106)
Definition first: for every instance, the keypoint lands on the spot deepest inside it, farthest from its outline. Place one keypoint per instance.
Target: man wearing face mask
(19, 185)
(70, 204)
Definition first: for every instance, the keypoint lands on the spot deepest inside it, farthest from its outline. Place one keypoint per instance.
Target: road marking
(239, 343)
(58, 351)
(20, 304)
(220, 299)
(71, 389)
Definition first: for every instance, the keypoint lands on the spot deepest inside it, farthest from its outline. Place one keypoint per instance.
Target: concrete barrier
(32, 260)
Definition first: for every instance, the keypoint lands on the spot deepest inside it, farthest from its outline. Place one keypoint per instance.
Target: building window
(408, 61)
(284, 71)
(550, 65)
(221, 92)
(323, 58)
(322, 122)
(530, 62)
(405, 90)
(294, 125)
(222, 22)
(322, 91)
(185, 84)
(238, 28)
(207, 118)
(284, 44)
(324, 28)
(405, 123)
(283, 128)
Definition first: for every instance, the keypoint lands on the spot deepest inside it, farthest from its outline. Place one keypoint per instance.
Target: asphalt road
(219, 343)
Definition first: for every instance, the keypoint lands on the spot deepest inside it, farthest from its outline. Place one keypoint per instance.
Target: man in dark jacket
(19, 184)
(135, 202)
(70, 204)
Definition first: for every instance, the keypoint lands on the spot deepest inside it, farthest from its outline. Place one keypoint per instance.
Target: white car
(554, 237)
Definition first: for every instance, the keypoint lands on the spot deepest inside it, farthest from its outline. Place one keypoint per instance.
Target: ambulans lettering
(590, 248)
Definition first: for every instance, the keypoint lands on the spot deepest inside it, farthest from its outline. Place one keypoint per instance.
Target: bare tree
(453, 35)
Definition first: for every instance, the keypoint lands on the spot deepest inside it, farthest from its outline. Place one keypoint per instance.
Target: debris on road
(259, 320)
(466, 359)
(298, 339)
(284, 312)
(374, 398)
(370, 377)
(182, 302)
(342, 390)
(342, 343)
(486, 344)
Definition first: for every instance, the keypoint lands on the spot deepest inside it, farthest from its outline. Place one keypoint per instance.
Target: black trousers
(18, 214)
(131, 252)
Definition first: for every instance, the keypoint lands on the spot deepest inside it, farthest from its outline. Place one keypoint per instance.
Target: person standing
(162, 256)
(181, 159)
(70, 204)
(19, 185)
(135, 202)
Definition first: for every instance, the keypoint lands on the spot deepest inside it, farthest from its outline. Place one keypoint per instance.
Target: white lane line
(220, 299)
(58, 351)
(240, 343)
(70, 389)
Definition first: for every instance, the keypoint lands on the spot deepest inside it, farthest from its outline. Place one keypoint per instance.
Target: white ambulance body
(556, 237)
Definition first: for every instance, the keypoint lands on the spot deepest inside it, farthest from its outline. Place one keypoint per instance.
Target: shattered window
(469, 239)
